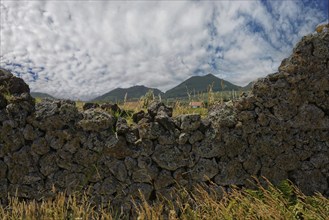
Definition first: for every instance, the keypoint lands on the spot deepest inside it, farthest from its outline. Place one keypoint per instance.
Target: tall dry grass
(61, 207)
(285, 201)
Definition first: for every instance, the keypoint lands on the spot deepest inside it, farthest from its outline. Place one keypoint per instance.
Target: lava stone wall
(280, 130)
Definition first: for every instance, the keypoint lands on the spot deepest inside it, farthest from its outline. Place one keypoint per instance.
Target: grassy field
(282, 202)
(180, 105)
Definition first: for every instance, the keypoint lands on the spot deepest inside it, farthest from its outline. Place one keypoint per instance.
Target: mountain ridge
(41, 95)
(194, 84)
(134, 92)
(200, 84)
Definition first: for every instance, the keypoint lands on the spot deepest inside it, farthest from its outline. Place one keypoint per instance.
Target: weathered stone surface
(3, 188)
(190, 122)
(55, 114)
(3, 102)
(40, 146)
(20, 111)
(150, 130)
(181, 176)
(11, 141)
(131, 164)
(145, 175)
(320, 160)
(287, 161)
(246, 102)
(193, 158)
(310, 117)
(89, 105)
(118, 148)
(231, 173)
(65, 159)
(252, 165)
(144, 162)
(3, 115)
(167, 139)
(159, 108)
(274, 174)
(223, 115)
(95, 142)
(132, 135)
(195, 137)
(310, 181)
(163, 180)
(209, 149)
(95, 120)
(145, 147)
(204, 170)
(167, 122)
(234, 145)
(169, 157)
(32, 178)
(29, 133)
(117, 168)
(16, 173)
(138, 116)
(70, 180)
(85, 157)
(108, 186)
(121, 126)
(109, 106)
(72, 145)
(136, 189)
(183, 138)
(205, 125)
(48, 164)
(185, 148)
(284, 110)
(24, 157)
(12, 84)
(3, 170)
(246, 116)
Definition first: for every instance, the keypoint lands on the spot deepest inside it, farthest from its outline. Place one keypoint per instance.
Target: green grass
(180, 108)
(38, 100)
(285, 201)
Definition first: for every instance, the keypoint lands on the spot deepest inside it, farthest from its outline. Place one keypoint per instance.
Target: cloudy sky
(82, 49)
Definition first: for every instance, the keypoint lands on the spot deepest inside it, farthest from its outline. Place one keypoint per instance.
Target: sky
(83, 49)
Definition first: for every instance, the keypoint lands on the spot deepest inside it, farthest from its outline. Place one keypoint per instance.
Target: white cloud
(81, 49)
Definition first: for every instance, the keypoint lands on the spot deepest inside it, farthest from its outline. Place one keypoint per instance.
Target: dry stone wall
(280, 130)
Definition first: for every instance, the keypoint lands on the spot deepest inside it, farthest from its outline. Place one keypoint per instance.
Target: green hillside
(41, 95)
(200, 84)
(248, 87)
(133, 93)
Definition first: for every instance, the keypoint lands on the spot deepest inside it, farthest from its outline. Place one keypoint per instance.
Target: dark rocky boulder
(12, 84)
(89, 105)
